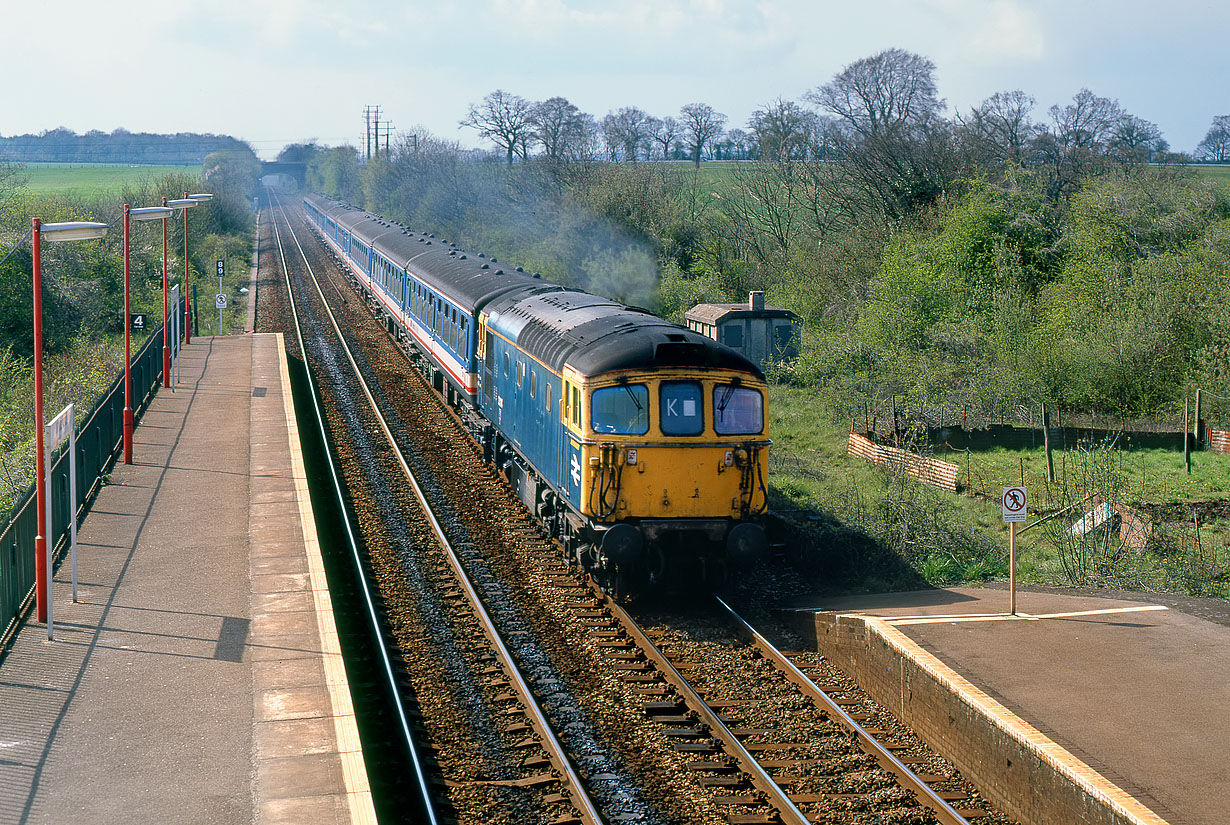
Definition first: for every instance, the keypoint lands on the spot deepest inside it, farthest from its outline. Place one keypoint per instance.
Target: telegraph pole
(388, 130)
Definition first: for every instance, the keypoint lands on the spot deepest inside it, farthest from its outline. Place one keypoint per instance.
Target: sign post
(62, 427)
(1015, 511)
(221, 299)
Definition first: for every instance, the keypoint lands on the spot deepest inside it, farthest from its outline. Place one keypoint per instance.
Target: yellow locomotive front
(672, 465)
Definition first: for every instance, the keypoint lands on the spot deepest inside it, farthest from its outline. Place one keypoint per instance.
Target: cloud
(1009, 31)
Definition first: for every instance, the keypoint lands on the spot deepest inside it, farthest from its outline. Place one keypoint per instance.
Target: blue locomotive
(640, 445)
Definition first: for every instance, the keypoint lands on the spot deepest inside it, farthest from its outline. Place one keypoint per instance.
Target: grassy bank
(859, 519)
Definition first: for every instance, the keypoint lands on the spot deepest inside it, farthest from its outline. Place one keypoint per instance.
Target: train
(639, 445)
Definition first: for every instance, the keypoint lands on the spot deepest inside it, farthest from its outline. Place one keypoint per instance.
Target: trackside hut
(760, 333)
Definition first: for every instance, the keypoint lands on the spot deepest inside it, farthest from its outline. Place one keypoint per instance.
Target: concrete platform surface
(1139, 691)
(198, 679)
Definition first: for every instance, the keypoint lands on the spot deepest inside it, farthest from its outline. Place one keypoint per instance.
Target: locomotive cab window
(737, 410)
(681, 408)
(623, 409)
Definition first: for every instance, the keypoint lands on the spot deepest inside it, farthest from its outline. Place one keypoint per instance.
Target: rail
(580, 799)
(945, 813)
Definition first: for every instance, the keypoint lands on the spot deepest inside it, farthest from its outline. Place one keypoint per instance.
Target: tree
(893, 151)
(1077, 141)
(999, 129)
(1216, 144)
(504, 119)
(560, 127)
(701, 124)
(881, 93)
(664, 133)
(1136, 140)
(629, 130)
(782, 130)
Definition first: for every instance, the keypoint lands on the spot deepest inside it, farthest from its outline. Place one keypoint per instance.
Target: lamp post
(147, 213)
(185, 203)
(71, 231)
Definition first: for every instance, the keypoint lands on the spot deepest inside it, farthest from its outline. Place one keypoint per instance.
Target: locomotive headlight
(740, 456)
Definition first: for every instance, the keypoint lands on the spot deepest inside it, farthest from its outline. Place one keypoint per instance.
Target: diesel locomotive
(640, 445)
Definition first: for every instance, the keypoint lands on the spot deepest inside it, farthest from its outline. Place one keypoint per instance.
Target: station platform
(1082, 708)
(198, 678)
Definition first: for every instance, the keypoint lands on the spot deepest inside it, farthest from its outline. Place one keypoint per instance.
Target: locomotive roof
(558, 326)
(595, 335)
(469, 280)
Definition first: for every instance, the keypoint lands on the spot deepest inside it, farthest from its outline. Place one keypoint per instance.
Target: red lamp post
(185, 203)
(72, 231)
(148, 213)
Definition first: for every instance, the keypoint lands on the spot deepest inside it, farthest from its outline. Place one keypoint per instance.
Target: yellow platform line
(350, 750)
(1085, 777)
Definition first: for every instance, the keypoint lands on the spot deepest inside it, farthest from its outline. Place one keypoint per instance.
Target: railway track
(652, 745)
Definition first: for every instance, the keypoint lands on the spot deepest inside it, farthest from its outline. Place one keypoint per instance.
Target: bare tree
(1000, 128)
(1076, 142)
(1137, 140)
(881, 93)
(560, 127)
(701, 124)
(628, 129)
(782, 130)
(503, 119)
(1216, 144)
(893, 152)
(665, 133)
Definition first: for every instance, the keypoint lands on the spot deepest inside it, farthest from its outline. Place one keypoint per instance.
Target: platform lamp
(70, 231)
(185, 203)
(145, 213)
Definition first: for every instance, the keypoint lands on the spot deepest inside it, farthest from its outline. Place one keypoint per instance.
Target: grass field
(90, 179)
(953, 538)
(1217, 173)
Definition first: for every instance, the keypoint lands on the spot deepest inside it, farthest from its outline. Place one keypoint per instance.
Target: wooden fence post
(1187, 453)
(1196, 423)
(1046, 440)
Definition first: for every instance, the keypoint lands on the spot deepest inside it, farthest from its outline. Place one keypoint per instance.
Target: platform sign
(1014, 504)
(138, 322)
(221, 268)
(220, 301)
(62, 427)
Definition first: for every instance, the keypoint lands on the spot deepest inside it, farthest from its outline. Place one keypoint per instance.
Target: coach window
(737, 410)
(623, 409)
(681, 408)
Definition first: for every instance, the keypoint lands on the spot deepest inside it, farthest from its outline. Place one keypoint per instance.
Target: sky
(273, 72)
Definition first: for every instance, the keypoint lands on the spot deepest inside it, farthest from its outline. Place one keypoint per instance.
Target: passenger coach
(641, 445)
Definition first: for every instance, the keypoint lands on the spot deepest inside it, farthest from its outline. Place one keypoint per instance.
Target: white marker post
(1014, 511)
(62, 427)
(175, 338)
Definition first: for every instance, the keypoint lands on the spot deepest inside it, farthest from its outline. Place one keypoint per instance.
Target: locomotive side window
(546, 391)
(506, 365)
(533, 383)
(737, 411)
(576, 406)
(623, 409)
(681, 408)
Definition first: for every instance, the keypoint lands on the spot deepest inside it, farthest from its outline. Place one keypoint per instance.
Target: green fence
(99, 443)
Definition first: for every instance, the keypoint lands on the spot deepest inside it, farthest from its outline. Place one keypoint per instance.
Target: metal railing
(99, 443)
